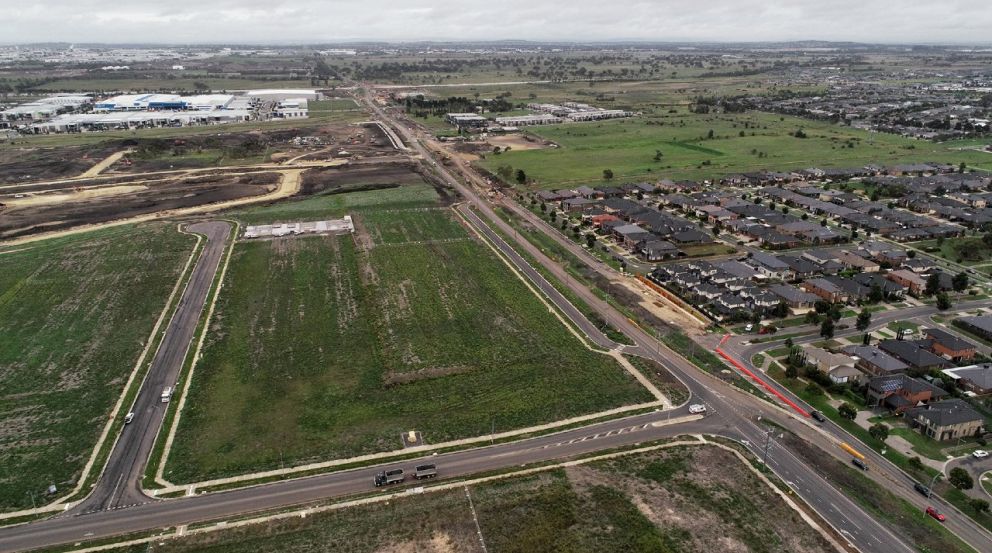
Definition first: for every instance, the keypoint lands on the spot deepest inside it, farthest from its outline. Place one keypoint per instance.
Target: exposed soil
(54, 211)
(27, 164)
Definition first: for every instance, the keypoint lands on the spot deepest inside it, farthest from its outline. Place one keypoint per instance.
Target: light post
(768, 439)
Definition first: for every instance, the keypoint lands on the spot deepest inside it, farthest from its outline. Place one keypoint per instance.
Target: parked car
(818, 416)
(980, 454)
(933, 512)
(922, 489)
(697, 408)
(749, 327)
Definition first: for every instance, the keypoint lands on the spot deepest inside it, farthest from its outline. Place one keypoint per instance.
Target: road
(731, 413)
(120, 483)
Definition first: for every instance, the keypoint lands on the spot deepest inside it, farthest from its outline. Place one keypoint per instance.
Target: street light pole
(768, 438)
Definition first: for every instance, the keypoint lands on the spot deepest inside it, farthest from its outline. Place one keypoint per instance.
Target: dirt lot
(27, 164)
(59, 210)
(519, 142)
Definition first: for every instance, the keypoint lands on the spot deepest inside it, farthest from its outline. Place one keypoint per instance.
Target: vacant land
(74, 316)
(327, 347)
(69, 207)
(968, 250)
(740, 142)
(684, 499)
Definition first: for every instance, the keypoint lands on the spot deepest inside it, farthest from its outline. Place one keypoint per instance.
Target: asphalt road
(120, 483)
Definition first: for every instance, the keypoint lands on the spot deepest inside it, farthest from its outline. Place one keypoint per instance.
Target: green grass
(139, 84)
(636, 503)
(967, 250)
(320, 350)
(74, 315)
(628, 147)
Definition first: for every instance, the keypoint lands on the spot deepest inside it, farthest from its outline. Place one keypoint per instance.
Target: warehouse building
(280, 94)
(466, 119)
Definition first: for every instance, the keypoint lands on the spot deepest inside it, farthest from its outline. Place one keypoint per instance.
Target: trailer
(425, 471)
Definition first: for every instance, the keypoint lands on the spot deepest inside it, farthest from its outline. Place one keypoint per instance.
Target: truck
(425, 471)
(387, 477)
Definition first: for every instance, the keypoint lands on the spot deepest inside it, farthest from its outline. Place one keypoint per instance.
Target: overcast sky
(300, 21)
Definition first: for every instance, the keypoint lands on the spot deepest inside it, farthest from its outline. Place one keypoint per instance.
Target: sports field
(327, 347)
(74, 316)
(740, 143)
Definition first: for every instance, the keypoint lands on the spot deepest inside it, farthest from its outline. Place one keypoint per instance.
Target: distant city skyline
(311, 21)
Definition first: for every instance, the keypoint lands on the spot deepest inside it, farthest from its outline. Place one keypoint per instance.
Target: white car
(697, 408)
(749, 327)
(980, 454)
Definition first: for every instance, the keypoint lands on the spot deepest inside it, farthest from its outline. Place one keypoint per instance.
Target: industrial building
(526, 120)
(466, 119)
(44, 108)
(83, 122)
(332, 226)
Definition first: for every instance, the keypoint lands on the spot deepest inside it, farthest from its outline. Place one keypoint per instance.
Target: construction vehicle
(385, 478)
(425, 471)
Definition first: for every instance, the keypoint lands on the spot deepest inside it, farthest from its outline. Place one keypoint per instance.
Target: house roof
(979, 375)
(948, 340)
(892, 383)
(878, 358)
(912, 353)
(983, 322)
(792, 294)
(946, 413)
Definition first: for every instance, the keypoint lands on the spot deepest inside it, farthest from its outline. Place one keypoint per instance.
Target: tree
(866, 339)
(864, 320)
(847, 411)
(553, 215)
(789, 342)
(544, 207)
(916, 463)
(933, 284)
(201, 86)
(943, 301)
(607, 174)
(827, 328)
(879, 431)
(505, 172)
(710, 134)
(960, 281)
(791, 372)
(590, 240)
(875, 295)
(812, 317)
(979, 505)
(960, 479)
(521, 176)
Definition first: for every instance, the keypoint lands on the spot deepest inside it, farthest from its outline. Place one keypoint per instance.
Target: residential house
(980, 326)
(770, 266)
(854, 261)
(899, 392)
(914, 354)
(953, 347)
(658, 250)
(630, 235)
(975, 379)
(875, 362)
(915, 283)
(794, 297)
(946, 420)
(826, 290)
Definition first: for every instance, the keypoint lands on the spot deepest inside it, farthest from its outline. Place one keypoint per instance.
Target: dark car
(922, 489)
(818, 416)
(859, 463)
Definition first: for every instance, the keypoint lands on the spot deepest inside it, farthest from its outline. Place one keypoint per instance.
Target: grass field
(967, 250)
(326, 347)
(165, 85)
(741, 142)
(74, 315)
(682, 499)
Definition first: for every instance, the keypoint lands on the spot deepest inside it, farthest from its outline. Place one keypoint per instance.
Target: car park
(936, 514)
(697, 408)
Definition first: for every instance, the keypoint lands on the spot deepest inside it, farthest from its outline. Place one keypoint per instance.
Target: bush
(960, 479)
(847, 411)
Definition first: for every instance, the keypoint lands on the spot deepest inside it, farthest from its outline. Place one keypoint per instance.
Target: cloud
(301, 21)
